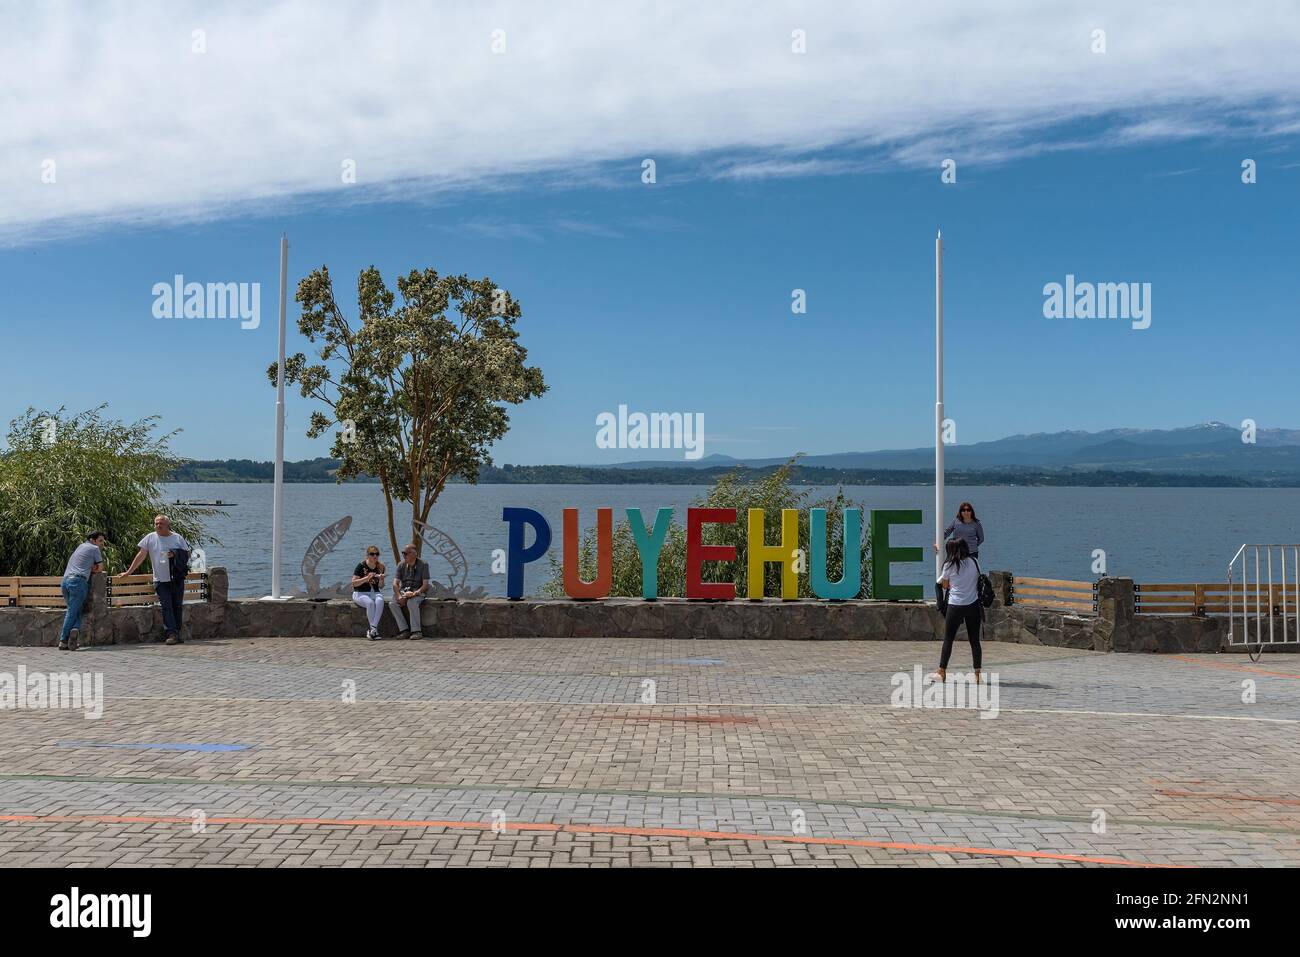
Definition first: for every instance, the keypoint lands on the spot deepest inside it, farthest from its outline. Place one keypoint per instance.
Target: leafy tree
(64, 476)
(741, 490)
(418, 388)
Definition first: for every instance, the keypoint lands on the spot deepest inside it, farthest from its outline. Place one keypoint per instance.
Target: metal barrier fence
(1254, 597)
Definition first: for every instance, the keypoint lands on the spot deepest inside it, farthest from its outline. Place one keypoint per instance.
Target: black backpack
(983, 587)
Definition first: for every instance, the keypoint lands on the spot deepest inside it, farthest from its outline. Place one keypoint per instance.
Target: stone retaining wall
(1115, 628)
(607, 618)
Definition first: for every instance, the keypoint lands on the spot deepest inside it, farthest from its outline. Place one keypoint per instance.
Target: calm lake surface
(1149, 534)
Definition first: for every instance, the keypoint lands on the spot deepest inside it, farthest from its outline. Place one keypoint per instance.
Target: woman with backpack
(960, 579)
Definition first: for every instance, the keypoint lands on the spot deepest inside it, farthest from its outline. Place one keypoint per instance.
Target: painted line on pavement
(1167, 792)
(586, 829)
(1227, 667)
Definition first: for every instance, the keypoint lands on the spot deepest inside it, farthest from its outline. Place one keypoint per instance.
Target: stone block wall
(1116, 627)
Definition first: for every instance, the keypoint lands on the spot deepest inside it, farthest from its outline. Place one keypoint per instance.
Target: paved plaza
(621, 752)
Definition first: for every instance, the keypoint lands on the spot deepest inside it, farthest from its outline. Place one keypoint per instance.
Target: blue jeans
(170, 596)
(74, 591)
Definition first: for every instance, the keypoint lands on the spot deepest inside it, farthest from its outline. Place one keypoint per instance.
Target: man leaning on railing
(169, 555)
(86, 560)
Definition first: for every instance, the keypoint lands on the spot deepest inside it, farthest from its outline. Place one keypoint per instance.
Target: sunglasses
(372, 554)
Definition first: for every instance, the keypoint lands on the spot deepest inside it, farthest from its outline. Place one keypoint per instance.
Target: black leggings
(970, 614)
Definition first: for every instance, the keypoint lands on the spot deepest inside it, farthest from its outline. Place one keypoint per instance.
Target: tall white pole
(277, 518)
(938, 401)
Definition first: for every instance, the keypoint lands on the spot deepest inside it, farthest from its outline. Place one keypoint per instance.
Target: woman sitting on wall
(368, 589)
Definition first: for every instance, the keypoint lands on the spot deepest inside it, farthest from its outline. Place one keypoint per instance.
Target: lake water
(1149, 534)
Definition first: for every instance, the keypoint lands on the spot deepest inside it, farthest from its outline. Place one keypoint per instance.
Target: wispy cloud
(137, 127)
(487, 228)
(773, 168)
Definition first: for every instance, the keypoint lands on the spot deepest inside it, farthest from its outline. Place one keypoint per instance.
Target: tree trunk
(392, 531)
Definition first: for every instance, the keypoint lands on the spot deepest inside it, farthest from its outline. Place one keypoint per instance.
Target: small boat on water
(218, 503)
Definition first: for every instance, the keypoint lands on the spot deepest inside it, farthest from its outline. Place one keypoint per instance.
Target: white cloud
(774, 168)
(493, 228)
(142, 129)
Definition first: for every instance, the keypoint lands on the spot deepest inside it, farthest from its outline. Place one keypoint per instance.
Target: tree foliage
(741, 490)
(417, 388)
(64, 476)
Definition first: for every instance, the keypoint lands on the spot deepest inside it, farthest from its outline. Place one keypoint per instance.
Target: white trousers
(373, 603)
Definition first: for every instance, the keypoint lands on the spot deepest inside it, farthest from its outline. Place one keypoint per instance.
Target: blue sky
(676, 296)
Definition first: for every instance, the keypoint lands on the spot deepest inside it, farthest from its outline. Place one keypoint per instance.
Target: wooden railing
(30, 591)
(43, 591)
(1078, 598)
(138, 589)
(1204, 598)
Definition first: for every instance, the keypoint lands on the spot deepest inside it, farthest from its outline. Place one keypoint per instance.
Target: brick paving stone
(553, 732)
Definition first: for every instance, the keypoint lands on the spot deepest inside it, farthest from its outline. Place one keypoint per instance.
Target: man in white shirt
(158, 545)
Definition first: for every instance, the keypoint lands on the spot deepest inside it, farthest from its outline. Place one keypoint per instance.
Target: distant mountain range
(1210, 449)
(1199, 455)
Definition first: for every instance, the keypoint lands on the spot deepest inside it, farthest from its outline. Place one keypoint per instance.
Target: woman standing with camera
(959, 581)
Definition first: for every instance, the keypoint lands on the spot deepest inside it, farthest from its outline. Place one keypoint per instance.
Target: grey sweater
(973, 532)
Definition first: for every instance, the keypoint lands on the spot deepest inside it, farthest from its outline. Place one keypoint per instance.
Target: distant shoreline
(319, 473)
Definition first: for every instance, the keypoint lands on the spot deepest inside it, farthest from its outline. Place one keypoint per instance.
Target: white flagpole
(277, 518)
(938, 401)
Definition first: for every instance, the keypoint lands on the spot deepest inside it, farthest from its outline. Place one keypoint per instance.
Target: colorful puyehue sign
(650, 540)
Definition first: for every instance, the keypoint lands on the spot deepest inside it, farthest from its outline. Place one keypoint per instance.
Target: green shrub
(65, 476)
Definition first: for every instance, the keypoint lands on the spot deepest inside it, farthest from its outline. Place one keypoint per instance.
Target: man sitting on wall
(410, 585)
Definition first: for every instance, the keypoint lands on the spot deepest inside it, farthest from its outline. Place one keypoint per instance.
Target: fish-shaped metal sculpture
(321, 546)
(445, 547)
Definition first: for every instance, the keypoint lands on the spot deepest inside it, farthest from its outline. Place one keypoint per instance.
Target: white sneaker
(372, 634)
